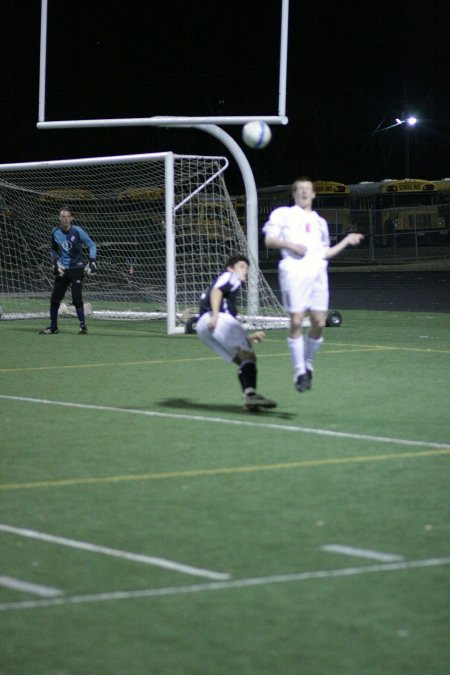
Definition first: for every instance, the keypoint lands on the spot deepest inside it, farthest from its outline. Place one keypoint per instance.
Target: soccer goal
(164, 225)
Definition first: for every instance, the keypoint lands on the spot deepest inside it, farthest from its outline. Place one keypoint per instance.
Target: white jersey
(303, 278)
(292, 223)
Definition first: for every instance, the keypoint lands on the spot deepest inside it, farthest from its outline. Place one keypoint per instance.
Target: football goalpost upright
(164, 225)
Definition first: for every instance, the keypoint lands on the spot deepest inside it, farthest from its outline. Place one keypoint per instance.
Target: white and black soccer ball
(256, 134)
(1, 311)
(334, 319)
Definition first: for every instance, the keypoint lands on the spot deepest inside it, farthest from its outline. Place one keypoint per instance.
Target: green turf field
(149, 525)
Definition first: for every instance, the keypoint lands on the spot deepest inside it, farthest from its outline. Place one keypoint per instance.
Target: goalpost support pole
(170, 243)
(43, 61)
(251, 208)
(208, 124)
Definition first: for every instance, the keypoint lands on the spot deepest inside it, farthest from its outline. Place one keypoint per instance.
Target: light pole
(410, 122)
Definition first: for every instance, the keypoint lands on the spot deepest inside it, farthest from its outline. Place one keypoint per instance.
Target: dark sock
(247, 375)
(80, 315)
(53, 317)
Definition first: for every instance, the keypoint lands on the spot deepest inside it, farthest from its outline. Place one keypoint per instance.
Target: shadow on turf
(189, 404)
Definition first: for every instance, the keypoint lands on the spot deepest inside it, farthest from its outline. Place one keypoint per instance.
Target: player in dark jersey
(69, 268)
(219, 328)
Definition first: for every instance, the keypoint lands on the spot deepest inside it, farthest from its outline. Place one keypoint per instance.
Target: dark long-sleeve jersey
(67, 247)
(230, 285)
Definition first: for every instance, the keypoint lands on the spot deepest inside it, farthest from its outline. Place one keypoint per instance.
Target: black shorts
(74, 279)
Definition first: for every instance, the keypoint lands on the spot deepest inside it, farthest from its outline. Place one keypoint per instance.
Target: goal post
(164, 225)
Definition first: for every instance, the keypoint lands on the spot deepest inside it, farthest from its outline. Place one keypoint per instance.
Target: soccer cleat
(257, 402)
(49, 331)
(303, 382)
(82, 331)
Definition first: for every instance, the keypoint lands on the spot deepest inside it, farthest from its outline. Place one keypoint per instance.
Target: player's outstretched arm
(352, 239)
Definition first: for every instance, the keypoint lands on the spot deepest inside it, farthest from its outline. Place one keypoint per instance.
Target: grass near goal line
(149, 525)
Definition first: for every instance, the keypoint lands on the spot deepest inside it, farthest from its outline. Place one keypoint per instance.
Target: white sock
(297, 349)
(312, 346)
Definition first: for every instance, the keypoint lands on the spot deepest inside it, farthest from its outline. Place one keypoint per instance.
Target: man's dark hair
(301, 179)
(232, 260)
(66, 208)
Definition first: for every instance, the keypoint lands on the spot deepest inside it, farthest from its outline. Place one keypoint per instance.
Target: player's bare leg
(296, 346)
(313, 341)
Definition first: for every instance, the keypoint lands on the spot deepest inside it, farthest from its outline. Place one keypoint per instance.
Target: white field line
(125, 555)
(361, 553)
(27, 587)
(225, 585)
(224, 420)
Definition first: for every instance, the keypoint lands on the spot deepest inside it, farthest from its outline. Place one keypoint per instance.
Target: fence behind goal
(164, 225)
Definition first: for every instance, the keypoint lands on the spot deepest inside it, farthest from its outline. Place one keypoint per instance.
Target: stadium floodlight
(411, 121)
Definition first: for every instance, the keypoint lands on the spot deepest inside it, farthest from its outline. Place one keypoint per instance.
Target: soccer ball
(256, 134)
(334, 319)
(1, 311)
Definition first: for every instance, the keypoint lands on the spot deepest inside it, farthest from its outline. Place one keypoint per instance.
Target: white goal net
(164, 225)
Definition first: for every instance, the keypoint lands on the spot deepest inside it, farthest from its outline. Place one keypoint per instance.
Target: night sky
(352, 69)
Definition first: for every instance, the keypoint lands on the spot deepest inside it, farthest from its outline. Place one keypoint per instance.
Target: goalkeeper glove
(91, 267)
(58, 270)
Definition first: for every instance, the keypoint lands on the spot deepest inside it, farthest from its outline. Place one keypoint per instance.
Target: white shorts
(227, 337)
(304, 284)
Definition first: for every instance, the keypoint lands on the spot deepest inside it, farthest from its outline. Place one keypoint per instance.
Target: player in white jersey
(219, 328)
(302, 237)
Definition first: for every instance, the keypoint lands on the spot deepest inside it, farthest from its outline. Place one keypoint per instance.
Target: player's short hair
(238, 257)
(302, 179)
(66, 208)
